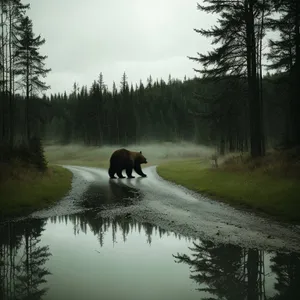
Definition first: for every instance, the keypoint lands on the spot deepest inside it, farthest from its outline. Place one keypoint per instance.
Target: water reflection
(121, 258)
(99, 195)
(287, 270)
(22, 260)
(123, 224)
(230, 272)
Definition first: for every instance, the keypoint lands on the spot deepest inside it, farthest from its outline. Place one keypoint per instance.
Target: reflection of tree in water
(287, 268)
(103, 196)
(119, 224)
(220, 269)
(22, 261)
(230, 272)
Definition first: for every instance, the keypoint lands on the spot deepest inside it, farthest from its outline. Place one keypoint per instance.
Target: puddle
(84, 256)
(89, 246)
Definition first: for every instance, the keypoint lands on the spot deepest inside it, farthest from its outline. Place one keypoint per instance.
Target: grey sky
(140, 37)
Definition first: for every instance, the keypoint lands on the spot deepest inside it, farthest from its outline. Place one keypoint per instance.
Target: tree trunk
(2, 99)
(11, 92)
(252, 271)
(253, 87)
(27, 118)
(263, 146)
(295, 79)
(222, 145)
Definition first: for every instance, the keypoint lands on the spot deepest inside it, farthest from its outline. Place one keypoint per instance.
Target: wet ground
(144, 238)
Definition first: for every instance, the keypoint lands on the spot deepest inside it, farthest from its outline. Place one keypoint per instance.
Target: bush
(37, 157)
(31, 153)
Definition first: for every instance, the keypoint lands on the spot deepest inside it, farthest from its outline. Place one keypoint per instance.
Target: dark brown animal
(124, 159)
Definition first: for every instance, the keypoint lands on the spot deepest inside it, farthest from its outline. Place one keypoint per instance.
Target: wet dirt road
(145, 238)
(172, 208)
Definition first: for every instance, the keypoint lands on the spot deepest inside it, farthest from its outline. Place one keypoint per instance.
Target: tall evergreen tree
(16, 11)
(285, 57)
(3, 81)
(12, 12)
(237, 56)
(30, 65)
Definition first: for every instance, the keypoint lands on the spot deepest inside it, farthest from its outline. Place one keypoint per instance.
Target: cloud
(84, 38)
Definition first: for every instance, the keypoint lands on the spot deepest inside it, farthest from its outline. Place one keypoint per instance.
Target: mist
(154, 152)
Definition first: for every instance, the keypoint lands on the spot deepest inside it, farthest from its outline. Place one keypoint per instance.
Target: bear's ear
(141, 152)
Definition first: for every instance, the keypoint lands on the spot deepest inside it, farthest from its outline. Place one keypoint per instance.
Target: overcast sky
(140, 37)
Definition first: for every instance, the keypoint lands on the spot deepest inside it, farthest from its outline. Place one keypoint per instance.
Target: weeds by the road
(270, 185)
(25, 189)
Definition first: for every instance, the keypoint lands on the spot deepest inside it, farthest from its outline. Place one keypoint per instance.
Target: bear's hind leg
(129, 172)
(111, 173)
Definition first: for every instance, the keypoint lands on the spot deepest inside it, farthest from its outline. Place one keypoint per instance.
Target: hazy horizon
(139, 37)
(152, 151)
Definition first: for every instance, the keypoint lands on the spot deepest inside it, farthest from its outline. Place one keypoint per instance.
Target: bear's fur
(124, 159)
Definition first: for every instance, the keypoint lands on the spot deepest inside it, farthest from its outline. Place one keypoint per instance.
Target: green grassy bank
(23, 190)
(270, 185)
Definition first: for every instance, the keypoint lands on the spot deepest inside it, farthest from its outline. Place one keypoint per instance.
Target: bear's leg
(129, 172)
(138, 170)
(119, 173)
(111, 173)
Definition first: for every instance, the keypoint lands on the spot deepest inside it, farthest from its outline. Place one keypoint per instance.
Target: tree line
(231, 104)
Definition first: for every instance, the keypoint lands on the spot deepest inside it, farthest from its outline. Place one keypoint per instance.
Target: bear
(124, 159)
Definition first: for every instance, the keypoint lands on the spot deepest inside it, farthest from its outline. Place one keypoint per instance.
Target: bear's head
(140, 158)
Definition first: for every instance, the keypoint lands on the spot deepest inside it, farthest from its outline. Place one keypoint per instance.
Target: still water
(82, 256)
(85, 256)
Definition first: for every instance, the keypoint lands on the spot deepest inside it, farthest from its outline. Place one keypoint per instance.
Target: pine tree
(15, 11)
(29, 64)
(3, 81)
(237, 56)
(285, 57)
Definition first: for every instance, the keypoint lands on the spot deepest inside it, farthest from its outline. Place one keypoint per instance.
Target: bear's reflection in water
(109, 193)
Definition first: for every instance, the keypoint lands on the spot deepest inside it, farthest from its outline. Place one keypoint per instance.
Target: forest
(244, 96)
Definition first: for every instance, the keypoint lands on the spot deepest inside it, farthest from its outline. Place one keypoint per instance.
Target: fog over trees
(229, 103)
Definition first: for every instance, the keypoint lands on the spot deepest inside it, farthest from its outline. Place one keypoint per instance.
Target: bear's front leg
(138, 170)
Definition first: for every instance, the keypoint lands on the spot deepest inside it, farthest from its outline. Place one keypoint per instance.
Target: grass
(25, 189)
(99, 156)
(270, 185)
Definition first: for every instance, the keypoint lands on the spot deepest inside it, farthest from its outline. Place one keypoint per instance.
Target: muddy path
(173, 208)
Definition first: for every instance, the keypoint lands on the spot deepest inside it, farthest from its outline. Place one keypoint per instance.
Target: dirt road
(157, 201)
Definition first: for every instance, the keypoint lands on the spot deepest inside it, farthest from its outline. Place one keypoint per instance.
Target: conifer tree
(30, 65)
(285, 57)
(236, 55)
(15, 11)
